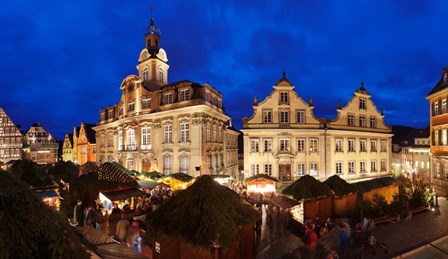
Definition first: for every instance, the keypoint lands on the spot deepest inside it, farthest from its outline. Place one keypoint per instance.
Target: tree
(31, 173)
(29, 228)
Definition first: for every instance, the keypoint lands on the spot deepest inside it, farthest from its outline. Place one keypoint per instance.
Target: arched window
(161, 75)
(184, 164)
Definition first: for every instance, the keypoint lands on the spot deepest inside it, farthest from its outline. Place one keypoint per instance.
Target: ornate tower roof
(152, 38)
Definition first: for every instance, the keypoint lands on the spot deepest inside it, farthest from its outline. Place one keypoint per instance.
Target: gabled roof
(90, 133)
(362, 90)
(440, 85)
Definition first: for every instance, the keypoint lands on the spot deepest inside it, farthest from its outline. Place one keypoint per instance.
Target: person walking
(359, 239)
(122, 228)
(310, 241)
(133, 237)
(344, 234)
(78, 214)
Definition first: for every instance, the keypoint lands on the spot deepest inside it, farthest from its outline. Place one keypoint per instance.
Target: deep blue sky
(62, 61)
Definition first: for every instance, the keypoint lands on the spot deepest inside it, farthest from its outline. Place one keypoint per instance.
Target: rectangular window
(444, 106)
(184, 95)
(130, 139)
(283, 97)
(383, 146)
(300, 145)
(300, 116)
(351, 167)
(168, 98)
(300, 169)
(110, 114)
(313, 168)
(184, 132)
(184, 165)
(146, 103)
(350, 120)
(362, 145)
(267, 116)
(338, 167)
(110, 140)
(338, 145)
(146, 138)
(362, 103)
(373, 146)
(103, 116)
(362, 120)
(362, 167)
(208, 133)
(120, 140)
(372, 122)
(102, 140)
(131, 107)
(373, 165)
(284, 145)
(254, 145)
(383, 166)
(436, 108)
(284, 116)
(268, 169)
(255, 169)
(444, 140)
(168, 133)
(167, 162)
(267, 143)
(313, 145)
(351, 145)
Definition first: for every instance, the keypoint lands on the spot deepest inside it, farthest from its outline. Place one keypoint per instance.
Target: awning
(123, 194)
(284, 202)
(151, 185)
(47, 194)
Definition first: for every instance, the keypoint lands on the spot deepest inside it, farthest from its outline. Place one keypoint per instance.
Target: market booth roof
(177, 180)
(284, 202)
(261, 177)
(200, 212)
(307, 187)
(365, 186)
(339, 186)
(123, 194)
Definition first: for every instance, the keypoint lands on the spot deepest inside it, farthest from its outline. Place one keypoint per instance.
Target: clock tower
(153, 62)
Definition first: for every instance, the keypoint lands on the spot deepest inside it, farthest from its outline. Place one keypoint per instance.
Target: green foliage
(379, 205)
(397, 206)
(154, 175)
(181, 177)
(363, 208)
(65, 170)
(339, 186)
(30, 229)
(200, 213)
(307, 187)
(31, 173)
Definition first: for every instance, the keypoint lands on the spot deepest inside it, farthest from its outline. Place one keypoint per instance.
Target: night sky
(62, 61)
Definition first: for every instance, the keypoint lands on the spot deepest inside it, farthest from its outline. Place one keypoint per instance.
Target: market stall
(261, 184)
(315, 198)
(178, 181)
(345, 196)
(121, 197)
(49, 197)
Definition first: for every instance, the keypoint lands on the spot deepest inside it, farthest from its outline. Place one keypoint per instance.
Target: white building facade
(284, 139)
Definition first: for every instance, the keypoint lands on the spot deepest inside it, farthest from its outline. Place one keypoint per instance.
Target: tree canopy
(339, 186)
(29, 228)
(307, 187)
(200, 213)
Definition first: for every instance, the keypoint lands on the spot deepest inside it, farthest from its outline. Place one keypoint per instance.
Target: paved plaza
(278, 242)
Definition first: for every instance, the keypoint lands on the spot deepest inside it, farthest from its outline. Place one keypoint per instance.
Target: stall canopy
(123, 194)
(261, 183)
(178, 181)
(339, 186)
(284, 202)
(307, 187)
(151, 185)
(47, 194)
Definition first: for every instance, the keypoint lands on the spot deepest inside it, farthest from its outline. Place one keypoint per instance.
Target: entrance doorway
(284, 172)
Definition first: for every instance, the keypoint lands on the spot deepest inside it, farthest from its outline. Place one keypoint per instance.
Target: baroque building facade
(284, 139)
(11, 139)
(40, 145)
(438, 97)
(67, 147)
(166, 127)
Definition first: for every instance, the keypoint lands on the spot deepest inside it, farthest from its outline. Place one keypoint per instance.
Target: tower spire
(152, 36)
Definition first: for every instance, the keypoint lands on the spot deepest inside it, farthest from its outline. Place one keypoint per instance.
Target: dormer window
(445, 77)
(184, 95)
(362, 103)
(168, 98)
(146, 103)
(145, 74)
(131, 107)
(284, 97)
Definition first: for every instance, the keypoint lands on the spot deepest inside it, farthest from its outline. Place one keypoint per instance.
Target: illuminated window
(313, 168)
(184, 164)
(268, 169)
(338, 145)
(146, 138)
(167, 163)
(130, 133)
(313, 145)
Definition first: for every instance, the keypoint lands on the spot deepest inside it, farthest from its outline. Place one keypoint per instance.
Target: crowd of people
(123, 223)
